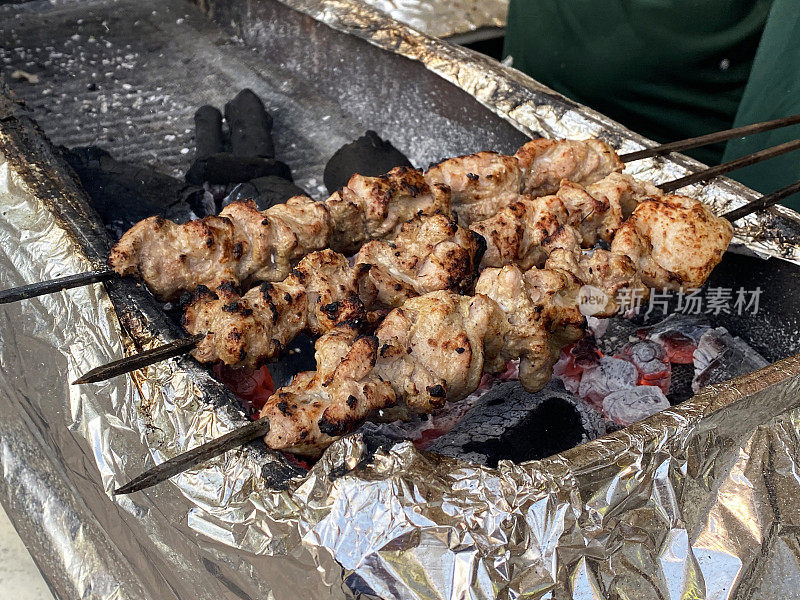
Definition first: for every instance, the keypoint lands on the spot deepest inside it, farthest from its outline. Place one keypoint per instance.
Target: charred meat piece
(324, 291)
(673, 241)
(430, 253)
(253, 329)
(369, 155)
(320, 406)
(481, 184)
(541, 311)
(546, 162)
(375, 207)
(239, 245)
(518, 233)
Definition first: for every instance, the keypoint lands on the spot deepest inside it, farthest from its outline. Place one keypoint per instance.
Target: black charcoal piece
(224, 168)
(369, 155)
(208, 137)
(265, 191)
(250, 126)
(510, 423)
(124, 193)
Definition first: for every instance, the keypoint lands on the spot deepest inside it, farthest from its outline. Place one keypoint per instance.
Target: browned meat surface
(619, 194)
(374, 208)
(430, 253)
(252, 329)
(540, 307)
(245, 245)
(171, 258)
(523, 232)
(324, 291)
(674, 242)
(320, 406)
(240, 245)
(518, 233)
(603, 275)
(546, 162)
(433, 348)
(272, 241)
(481, 184)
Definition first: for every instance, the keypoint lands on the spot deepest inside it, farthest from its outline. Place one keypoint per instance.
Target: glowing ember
(650, 360)
(253, 388)
(575, 359)
(679, 334)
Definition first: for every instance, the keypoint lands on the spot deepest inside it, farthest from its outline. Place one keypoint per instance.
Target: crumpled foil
(444, 18)
(696, 502)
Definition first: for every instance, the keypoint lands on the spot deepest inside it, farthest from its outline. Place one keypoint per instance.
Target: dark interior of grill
(132, 91)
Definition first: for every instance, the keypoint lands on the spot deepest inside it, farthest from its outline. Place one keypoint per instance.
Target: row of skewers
(400, 332)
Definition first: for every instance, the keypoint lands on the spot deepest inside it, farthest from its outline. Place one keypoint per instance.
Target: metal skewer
(140, 360)
(710, 138)
(55, 285)
(763, 202)
(195, 456)
(732, 165)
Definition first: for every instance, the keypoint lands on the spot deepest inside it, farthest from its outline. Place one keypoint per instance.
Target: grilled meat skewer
(430, 253)
(245, 245)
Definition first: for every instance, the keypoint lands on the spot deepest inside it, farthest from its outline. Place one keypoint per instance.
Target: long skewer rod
(195, 456)
(732, 165)
(55, 285)
(710, 138)
(141, 360)
(763, 202)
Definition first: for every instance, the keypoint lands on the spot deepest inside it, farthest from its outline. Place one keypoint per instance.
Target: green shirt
(668, 69)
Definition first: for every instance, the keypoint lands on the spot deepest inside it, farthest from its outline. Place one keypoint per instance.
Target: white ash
(634, 404)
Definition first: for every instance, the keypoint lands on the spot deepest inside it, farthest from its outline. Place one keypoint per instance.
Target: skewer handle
(763, 202)
(55, 285)
(710, 138)
(195, 456)
(738, 163)
(140, 360)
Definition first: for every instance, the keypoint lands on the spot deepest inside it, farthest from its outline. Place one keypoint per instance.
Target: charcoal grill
(128, 76)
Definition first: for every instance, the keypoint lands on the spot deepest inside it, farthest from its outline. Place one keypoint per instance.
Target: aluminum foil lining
(443, 18)
(696, 502)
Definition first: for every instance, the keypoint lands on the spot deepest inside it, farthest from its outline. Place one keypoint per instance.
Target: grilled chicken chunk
(324, 291)
(674, 242)
(240, 244)
(518, 234)
(252, 329)
(430, 253)
(320, 406)
(374, 208)
(541, 311)
(546, 162)
(481, 184)
(432, 349)
(245, 245)
(523, 232)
